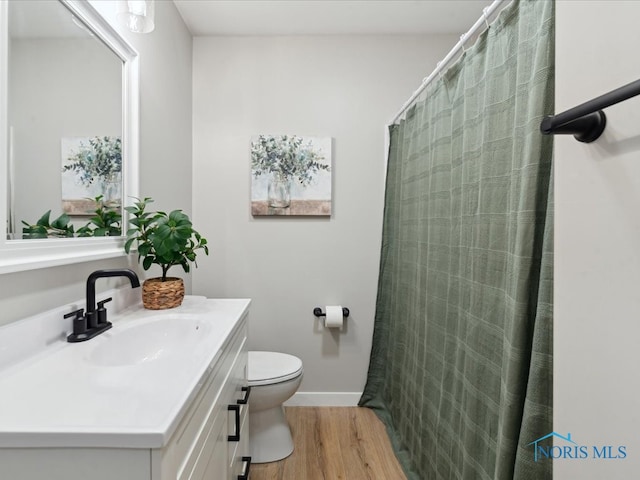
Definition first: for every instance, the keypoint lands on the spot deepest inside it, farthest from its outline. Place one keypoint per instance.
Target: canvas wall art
(91, 167)
(290, 175)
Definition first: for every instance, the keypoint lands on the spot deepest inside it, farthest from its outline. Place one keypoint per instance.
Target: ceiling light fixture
(137, 15)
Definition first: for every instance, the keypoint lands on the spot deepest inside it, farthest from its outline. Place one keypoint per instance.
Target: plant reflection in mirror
(106, 222)
(44, 228)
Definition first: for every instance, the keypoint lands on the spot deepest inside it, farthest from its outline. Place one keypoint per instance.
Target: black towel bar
(587, 121)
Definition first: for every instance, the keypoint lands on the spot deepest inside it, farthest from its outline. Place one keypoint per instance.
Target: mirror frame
(20, 255)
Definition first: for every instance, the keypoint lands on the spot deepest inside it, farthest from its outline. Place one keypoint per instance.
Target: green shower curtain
(461, 363)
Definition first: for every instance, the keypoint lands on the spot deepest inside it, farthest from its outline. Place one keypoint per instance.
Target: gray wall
(347, 88)
(597, 238)
(165, 153)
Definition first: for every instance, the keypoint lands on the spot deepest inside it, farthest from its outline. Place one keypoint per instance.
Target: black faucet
(94, 322)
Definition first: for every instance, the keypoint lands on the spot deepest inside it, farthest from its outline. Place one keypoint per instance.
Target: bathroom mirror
(68, 129)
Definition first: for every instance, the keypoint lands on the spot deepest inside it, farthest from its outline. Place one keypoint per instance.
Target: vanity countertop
(73, 395)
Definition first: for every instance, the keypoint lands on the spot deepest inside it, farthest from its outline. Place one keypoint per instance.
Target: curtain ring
(486, 16)
(439, 70)
(463, 37)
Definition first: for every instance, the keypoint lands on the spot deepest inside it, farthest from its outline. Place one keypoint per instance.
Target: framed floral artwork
(290, 175)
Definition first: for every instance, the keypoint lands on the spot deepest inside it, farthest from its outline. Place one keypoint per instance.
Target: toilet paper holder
(319, 313)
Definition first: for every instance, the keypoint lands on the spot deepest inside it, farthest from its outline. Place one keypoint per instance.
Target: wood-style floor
(334, 443)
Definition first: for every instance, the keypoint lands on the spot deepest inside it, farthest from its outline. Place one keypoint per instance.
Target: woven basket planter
(159, 295)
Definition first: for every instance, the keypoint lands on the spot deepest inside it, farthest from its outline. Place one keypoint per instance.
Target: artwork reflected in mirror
(91, 166)
(65, 115)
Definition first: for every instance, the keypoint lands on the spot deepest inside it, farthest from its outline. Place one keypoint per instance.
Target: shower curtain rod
(483, 21)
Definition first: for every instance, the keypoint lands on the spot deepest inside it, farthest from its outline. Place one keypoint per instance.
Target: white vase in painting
(279, 191)
(111, 193)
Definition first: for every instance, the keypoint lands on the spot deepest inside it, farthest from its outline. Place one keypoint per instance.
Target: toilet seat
(268, 368)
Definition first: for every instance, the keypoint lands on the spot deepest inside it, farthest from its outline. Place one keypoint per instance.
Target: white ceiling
(329, 17)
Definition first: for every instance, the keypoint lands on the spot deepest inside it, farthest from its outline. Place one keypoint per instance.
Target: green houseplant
(164, 239)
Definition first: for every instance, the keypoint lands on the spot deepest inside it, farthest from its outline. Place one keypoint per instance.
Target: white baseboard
(324, 399)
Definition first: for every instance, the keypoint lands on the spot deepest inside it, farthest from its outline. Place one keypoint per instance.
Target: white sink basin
(126, 388)
(156, 338)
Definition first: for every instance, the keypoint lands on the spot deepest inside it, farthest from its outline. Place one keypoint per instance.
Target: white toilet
(273, 378)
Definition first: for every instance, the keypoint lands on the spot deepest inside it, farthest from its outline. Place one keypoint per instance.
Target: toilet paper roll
(334, 318)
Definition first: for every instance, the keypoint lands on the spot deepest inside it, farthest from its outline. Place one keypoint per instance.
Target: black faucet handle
(79, 322)
(102, 312)
(75, 313)
(102, 302)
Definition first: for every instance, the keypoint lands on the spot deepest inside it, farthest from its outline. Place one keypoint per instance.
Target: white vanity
(162, 395)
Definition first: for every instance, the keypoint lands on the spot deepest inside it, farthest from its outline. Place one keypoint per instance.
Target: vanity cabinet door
(241, 461)
(199, 448)
(216, 467)
(211, 462)
(239, 421)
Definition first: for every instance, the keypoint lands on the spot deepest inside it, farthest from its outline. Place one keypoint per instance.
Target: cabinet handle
(246, 469)
(236, 436)
(245, 399)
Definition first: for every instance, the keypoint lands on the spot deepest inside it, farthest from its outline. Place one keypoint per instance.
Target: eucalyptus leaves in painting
(291, 175)
(91, 166)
